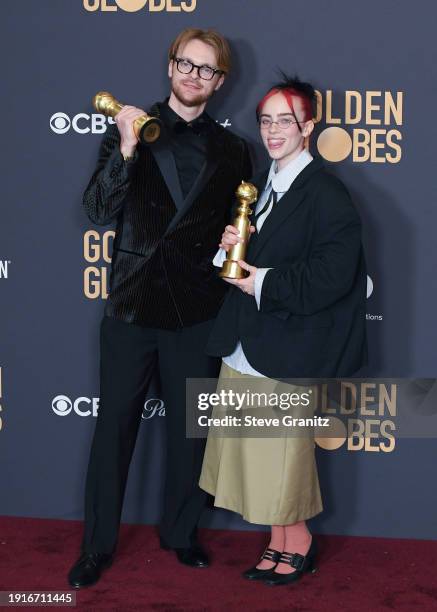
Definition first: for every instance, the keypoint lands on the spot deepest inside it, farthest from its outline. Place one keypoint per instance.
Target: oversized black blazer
(162, 274)
(311, 321)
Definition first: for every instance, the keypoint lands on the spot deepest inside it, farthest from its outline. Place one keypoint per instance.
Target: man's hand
(125, 120)
(230, 237)
(247, 285)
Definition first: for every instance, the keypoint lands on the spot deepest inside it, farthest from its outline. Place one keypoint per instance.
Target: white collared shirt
(281, 182)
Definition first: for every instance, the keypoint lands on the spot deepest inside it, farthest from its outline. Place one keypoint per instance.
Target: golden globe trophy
(247, 194)
(146, 128)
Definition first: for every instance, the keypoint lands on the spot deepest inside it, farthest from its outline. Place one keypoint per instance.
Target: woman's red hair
(288, 93)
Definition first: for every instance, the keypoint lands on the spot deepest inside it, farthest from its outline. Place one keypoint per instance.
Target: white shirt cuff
(219, 258)
(259, 279)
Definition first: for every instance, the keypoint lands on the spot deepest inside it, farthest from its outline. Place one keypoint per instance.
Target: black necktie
(272, 198)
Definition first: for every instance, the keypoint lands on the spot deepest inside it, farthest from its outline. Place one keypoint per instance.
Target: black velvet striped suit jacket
(162, 274)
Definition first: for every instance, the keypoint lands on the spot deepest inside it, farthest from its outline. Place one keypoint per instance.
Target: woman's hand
(230, 237)
(247, 285)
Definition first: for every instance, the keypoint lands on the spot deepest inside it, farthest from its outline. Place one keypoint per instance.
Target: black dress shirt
(188, 142)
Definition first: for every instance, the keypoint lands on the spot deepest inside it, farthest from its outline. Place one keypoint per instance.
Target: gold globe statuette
(247, 194)
(146, 128)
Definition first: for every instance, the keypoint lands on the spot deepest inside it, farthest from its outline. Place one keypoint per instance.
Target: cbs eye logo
(82, 406)
(62, 405)
(82, 123)
(60, 123)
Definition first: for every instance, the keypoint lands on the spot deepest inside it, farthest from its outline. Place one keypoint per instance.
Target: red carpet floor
(355, 574)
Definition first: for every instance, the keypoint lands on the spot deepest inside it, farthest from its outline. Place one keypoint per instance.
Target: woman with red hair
(299, 313)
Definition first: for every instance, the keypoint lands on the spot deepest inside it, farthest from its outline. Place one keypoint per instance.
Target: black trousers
(129, 355)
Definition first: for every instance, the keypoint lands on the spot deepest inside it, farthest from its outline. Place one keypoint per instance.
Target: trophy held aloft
(147, 129)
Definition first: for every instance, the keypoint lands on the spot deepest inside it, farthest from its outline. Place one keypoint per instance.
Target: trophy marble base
(150, 130)
(231, 269)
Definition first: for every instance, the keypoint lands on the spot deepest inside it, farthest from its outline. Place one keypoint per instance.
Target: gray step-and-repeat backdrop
(374, 67)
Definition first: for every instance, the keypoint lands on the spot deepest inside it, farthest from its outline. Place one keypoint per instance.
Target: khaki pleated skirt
(270, 481)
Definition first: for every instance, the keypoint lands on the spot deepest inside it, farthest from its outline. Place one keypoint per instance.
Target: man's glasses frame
(205, 72)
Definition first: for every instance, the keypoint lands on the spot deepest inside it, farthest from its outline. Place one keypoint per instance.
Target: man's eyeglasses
(283, 122)
(205, 72)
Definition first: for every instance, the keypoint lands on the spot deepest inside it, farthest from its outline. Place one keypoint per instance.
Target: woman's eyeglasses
(283, 122)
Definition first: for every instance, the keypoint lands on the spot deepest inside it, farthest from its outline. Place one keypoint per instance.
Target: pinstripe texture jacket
(162, 274)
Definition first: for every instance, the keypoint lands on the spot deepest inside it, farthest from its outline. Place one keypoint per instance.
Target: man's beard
(196, 101)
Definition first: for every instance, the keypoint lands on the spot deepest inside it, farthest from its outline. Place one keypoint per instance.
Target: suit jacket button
(153, 204)
(199, 244)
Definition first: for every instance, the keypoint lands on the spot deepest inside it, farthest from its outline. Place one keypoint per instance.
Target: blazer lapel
(214, 154)
(282, 209)
(165, 159)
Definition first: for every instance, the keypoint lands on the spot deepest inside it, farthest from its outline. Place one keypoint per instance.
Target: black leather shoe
(194, 555)
(300, 563)
(88, 569)
(259, 574)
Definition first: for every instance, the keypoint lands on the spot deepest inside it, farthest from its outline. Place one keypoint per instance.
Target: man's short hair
(210, 37)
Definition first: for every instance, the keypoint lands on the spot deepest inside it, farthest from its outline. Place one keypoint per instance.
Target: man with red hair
(170, 200)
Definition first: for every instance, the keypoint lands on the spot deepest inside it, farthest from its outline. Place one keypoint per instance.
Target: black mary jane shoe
(88, 569)
(300, 563)
(259, 574)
